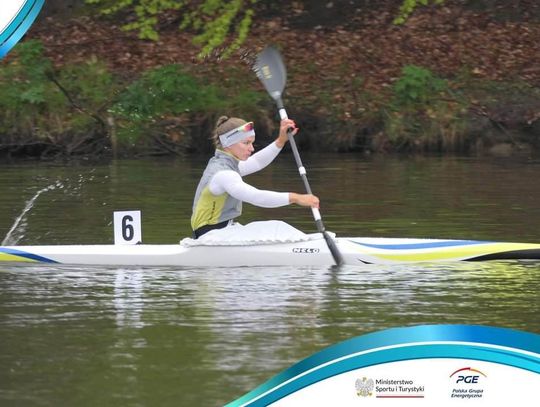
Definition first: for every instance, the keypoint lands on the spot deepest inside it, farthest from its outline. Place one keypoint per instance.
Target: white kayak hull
(355, 251)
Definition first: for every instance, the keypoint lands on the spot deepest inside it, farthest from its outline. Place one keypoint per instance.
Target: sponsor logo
(364, 387)
(385, 388)
(307, 250)
(467, 375)
(467, 383)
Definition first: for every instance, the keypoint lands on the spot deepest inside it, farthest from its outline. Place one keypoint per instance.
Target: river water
(173, 336)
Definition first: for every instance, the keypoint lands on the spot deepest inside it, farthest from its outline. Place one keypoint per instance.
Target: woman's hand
(304, 200)
(283, 127)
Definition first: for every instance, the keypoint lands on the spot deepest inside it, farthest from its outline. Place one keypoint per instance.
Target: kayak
(310, 252)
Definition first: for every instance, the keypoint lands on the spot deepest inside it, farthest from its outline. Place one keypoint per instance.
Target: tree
(408, 7)
(212, 19)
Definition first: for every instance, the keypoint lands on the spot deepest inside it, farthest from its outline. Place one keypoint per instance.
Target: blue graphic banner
(16, 17)
(441, 363)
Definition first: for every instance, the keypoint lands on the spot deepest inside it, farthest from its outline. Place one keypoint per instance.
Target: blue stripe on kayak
(26, 255)
(423, 245)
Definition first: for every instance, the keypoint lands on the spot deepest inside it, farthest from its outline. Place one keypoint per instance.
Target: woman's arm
(265, 156)
(259, 160)
(232, 183)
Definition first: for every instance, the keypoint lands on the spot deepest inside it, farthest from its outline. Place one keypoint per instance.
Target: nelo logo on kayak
(305, 250)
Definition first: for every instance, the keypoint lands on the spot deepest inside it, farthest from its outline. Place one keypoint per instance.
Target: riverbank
(452, 79)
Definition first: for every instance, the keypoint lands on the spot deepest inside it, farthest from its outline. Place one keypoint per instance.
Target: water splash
(9, 240)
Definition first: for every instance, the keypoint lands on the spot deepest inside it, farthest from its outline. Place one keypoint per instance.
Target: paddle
(270, 69)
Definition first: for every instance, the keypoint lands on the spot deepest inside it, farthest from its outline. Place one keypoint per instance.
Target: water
(175, 336)
(19, 225)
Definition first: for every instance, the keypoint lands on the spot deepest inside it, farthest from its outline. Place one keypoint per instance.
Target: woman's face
(243, 149)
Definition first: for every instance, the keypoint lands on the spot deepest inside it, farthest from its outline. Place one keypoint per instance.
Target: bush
(72, 109)
(29, 101)
(171, 104)
(166, 90)
(416, 88)
(424, 114)
(37, 101)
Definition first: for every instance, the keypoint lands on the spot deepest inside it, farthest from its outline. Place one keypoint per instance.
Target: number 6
(127, 227)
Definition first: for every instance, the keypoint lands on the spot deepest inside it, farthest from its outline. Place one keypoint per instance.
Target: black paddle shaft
(299, 164)
(271, 71)
(336, 254)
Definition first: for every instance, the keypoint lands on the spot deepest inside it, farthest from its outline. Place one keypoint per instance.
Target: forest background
(105, 78)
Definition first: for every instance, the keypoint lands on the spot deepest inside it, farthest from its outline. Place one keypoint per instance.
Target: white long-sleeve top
(231, 182)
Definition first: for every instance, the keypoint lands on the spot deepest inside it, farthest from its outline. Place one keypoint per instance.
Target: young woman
(221, 190)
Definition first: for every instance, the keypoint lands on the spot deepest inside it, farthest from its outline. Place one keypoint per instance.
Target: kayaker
(221, 190)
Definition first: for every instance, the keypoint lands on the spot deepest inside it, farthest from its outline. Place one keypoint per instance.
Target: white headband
(236, 135)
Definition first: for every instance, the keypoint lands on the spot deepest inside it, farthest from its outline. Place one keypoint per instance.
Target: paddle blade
(271, 71)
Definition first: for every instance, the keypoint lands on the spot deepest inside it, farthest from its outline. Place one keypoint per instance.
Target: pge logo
(467, 375)
(16, 17)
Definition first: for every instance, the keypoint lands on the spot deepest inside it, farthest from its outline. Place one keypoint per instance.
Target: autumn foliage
(344, 59)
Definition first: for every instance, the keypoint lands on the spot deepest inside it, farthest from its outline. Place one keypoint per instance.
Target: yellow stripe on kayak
(451, 253)
(14, 257)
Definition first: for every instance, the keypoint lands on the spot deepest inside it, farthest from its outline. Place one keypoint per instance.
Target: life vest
(210, 209)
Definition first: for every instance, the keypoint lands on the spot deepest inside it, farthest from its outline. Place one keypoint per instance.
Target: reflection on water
(128, 298)
(165, 336)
